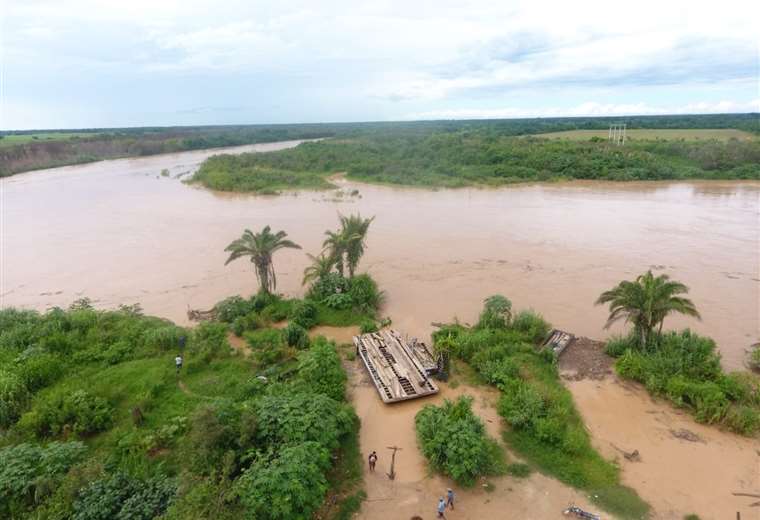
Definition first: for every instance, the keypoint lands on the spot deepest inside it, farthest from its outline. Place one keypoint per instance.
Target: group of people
(443, 502)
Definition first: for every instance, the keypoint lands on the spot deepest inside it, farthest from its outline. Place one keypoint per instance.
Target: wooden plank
(394, 369)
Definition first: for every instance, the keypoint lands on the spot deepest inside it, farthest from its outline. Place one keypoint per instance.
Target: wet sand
(676, 476)
(119, 232)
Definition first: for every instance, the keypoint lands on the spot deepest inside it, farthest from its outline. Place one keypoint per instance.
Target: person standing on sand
(372, 461)
(450, 498)
(441, 508)
(178, 362)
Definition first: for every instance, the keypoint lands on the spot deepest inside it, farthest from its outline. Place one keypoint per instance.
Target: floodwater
(121, 232)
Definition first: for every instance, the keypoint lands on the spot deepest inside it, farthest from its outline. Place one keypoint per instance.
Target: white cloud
(589, 108)
(392, 55)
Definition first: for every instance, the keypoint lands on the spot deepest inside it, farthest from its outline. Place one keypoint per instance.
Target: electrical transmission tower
(617, 133)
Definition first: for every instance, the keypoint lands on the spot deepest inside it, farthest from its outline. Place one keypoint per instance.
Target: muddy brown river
(121, 232)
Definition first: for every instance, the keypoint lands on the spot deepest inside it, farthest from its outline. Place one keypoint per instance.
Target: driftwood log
(199, 315)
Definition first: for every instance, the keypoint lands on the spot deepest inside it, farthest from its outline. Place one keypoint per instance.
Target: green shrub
(521, 405)
(295, 418)
(496, 314)
(209, 340)
(38, 369)
(14, 397)
(617, 345)
(320, 369)
(79, 412)
(338, 301)
(330, 284)
(296, 336)
(28, 471)
(304, 313)
(454, 441)
(532, 325)
(232, 308)
(121, 497)
(364, 293)
(290, 486)
(743, 419)
(267, 345)
(250, 321)
(368, 326)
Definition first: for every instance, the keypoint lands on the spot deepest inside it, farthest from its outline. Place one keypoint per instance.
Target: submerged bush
(454, 441)
(364, 293)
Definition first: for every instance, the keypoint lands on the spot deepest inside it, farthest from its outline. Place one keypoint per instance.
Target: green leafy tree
(646, 302)
(320, 267)
(260, 247)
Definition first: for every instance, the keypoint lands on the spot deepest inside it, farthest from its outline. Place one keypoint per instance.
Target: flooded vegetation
(135, 232)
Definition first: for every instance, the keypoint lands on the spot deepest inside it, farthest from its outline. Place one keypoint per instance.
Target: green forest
(35, 149)
(467, 158)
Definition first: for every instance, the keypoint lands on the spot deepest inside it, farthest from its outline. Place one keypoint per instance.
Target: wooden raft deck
(393, 366)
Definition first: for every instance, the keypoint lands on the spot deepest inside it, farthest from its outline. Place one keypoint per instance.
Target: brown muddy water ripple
(120, 232)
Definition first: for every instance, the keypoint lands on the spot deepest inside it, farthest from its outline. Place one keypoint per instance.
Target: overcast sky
(101, 63)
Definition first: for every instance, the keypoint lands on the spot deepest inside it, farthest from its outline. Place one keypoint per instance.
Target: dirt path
(684, 467)
(415, 491)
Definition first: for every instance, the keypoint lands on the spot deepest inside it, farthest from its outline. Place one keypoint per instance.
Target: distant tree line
(109, 143)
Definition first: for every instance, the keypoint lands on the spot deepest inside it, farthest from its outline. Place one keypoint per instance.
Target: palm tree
(354, 228)
(260, 247)
(320, 267)
(336, 245)
(646, 302)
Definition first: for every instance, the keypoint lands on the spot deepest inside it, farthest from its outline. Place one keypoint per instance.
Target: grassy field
(13, 139)
(688, 134)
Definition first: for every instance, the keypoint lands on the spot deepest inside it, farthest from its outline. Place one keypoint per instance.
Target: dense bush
(454, 441)
(496, 314)
(78, 412)
(295, 418)
(121, 497)
(685, 368)
(304, 313)
(290, 486)
(267, 345)
(364, 293)
(296, 336)
(14, 396)
(320, 369)
(532, 325)
(328, 285)
(29, 471)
